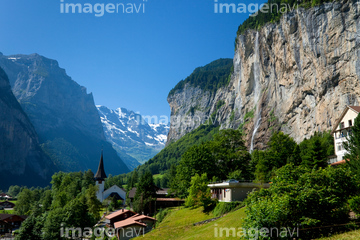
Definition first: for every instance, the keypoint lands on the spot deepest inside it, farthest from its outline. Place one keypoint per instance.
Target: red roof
(118, 213)
(338, 163)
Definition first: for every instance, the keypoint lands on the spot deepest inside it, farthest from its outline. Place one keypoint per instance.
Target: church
(113, 191)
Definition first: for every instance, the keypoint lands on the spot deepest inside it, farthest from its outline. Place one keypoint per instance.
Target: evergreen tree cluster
(276, 10)
(71, 202)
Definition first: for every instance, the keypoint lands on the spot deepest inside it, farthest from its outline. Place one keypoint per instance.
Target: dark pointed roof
(100, 174)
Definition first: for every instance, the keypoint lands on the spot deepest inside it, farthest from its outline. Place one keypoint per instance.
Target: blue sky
(125, 60)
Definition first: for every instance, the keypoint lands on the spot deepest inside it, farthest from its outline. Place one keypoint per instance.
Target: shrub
(225, 207)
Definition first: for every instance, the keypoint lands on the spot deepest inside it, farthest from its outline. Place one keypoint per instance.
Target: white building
(113, 191)
(341, 130)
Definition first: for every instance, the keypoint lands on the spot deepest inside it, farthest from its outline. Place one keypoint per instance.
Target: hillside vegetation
(210, 77)
(178, 224)
(172, 153)
(278, 9)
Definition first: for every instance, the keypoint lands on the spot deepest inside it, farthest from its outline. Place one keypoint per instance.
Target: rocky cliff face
(296, 76)
(62, 112)
(22, 160)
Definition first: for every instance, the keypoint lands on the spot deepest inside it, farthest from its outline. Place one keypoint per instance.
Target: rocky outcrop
(296, 76)
(22, 160)
(63, 114)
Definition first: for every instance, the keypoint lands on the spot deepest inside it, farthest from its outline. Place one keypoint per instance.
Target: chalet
(114, 191)
(136, 225)
(5, 196)
(13, 220)
(341, 130)
(229, 191)
(118, 216)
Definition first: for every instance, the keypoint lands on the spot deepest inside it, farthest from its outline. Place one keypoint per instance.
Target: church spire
(100, 174)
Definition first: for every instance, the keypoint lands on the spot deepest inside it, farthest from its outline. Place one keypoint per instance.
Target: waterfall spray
(257, 90)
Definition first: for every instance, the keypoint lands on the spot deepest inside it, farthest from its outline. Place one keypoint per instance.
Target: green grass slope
(178, 224)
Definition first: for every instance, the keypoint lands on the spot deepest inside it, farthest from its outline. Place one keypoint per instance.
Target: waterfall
(257, 91)
(256, 127)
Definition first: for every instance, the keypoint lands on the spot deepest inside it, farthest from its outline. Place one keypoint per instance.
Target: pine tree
(352, 146)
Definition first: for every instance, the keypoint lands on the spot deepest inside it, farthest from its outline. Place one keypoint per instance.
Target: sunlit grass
(178, 224)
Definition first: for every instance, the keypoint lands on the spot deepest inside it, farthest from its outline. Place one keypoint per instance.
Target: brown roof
(128, 222)
(138, 217)
(100, 174)
(6, 216)
(355, 108)
(118, 213)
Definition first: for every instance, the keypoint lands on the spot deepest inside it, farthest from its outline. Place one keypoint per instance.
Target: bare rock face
(296, 76)
(22, 160)
(62, 112)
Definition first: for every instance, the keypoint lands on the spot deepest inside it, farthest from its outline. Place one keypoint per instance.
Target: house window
(341, 125)
(350, 123)
(225, 193)
(339, 147)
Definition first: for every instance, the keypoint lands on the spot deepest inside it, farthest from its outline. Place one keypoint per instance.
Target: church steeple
(100, 174)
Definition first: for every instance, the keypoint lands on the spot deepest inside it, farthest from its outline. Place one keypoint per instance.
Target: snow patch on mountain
(130, 134)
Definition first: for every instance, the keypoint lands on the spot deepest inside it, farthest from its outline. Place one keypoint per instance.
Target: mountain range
(63, 114)
(135, 140)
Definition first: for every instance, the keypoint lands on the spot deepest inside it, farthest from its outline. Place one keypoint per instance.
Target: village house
(5, 196)
(233, 190)
(13, 220)
(117, 216)
(129, 224)
(341, 131)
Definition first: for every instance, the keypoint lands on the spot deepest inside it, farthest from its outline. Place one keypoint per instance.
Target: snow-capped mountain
(133, 138)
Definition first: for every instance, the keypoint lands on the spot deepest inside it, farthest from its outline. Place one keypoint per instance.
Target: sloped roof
(354, 108)
(118, 213)
(100, 174)
(138, 217)
(128, 222)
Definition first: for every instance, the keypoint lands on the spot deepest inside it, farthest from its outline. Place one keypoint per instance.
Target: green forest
(210, 77)
(277, 10)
